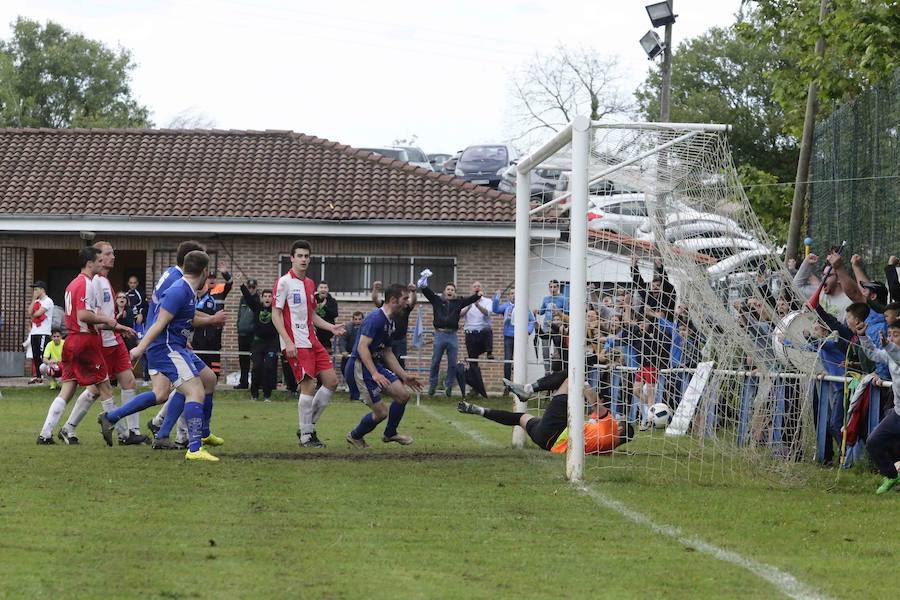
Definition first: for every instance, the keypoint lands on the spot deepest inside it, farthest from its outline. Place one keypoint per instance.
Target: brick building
(246, 195)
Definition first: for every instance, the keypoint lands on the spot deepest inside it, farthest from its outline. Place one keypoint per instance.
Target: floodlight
(661, 13)
(652, 44)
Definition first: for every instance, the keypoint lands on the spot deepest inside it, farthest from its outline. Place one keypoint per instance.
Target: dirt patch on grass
(369, 456)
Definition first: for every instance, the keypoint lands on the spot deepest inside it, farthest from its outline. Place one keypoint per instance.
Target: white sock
(82, 406)
(181, 433)
(108, 405)
(305, 407)
(57, 407)
(161, 415)
(133, 421)
(320, 401)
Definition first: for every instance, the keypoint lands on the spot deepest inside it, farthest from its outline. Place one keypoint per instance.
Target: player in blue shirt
(382, 375)
(162, 387)
(170, 360)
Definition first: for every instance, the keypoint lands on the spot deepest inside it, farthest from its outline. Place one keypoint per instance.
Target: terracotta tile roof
(231, 174)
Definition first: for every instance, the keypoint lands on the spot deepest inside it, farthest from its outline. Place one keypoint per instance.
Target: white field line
(475, 435)
(786, 583)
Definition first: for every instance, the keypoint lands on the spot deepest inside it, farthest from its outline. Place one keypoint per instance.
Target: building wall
(489, 261)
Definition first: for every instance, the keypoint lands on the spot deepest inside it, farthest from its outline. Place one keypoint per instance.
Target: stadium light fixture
(652, 45)
(661, 13)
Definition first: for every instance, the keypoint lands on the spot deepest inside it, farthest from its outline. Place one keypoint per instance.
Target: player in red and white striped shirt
(82, 359)
(115, 354)
(294, 316)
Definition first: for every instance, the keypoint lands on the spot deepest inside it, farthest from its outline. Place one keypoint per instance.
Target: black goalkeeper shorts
(547, 429)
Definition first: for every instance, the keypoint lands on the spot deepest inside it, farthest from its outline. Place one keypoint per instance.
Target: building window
(355, 274)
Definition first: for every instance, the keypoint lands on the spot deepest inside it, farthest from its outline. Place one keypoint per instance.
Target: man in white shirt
(41, 326)
(477, 325)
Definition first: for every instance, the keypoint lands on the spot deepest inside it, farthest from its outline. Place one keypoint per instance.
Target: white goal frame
(578, 133)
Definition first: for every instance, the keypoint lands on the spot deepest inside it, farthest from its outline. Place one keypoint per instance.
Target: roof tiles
(226, 174)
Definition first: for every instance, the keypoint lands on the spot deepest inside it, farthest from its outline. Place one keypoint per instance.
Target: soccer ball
(660, 415)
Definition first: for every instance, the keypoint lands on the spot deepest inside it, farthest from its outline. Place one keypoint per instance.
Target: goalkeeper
(601, 434)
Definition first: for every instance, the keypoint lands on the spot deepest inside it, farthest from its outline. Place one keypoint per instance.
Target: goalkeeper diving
(602, 433)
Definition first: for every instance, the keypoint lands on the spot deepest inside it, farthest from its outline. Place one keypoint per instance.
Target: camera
(87, 236)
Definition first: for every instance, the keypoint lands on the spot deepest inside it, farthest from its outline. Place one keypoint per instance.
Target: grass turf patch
(445, 517)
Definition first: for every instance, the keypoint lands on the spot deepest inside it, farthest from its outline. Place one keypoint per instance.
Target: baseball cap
(39, 284)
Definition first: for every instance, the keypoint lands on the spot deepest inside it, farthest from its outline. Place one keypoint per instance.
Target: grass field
(457, 514)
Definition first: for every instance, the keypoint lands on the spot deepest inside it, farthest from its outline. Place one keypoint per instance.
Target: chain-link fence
(855, 194)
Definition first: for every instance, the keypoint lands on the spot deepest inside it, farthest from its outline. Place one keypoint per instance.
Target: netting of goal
(672, 306)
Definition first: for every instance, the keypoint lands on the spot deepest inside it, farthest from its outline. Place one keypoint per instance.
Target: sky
(358, 72)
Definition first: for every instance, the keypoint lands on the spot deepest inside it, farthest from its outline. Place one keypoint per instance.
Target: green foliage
(862, 47)
(50, 77)
(770, 202)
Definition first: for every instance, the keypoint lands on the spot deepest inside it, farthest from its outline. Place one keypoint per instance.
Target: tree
(553, 89)
(191, 118)
(862, 47)
(718, 78)
(50, 77)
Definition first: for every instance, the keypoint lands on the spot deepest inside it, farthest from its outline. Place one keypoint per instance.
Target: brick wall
(488, 261)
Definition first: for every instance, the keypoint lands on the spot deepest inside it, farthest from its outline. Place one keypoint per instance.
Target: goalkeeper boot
(45, 441)
(212, 440)
(469, 408)
(517, 389)
(887, 484)
(201, 454)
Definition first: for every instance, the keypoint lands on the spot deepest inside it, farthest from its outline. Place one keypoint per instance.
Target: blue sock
(174, 410)
(366, 425)
(207, 413)
(135, 405)
(395, 413)
(193, 415)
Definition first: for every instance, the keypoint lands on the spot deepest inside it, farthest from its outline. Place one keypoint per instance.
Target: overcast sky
(358, 72)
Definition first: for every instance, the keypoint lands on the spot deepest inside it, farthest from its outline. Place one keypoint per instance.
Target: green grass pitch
(455, 515)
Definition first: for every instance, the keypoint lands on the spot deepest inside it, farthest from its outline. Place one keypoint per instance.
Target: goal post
(696, 227)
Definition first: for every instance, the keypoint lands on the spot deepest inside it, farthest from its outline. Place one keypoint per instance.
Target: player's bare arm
(366, 357)
(391, 362)
(278, 321)
(336, 329)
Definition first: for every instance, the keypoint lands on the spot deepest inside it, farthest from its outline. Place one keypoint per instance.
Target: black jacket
(263, 329)
(446, 312)
(328, 310)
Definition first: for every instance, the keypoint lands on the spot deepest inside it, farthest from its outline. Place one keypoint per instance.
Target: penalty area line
(786, 583)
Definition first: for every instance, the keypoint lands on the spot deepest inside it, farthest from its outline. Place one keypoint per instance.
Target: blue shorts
(178, 363)
(358, 379)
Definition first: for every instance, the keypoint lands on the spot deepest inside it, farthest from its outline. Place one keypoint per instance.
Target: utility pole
(801, 184)
(666, 72)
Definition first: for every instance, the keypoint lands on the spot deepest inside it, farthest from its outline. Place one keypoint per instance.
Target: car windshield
(487, 157)
(416, 155)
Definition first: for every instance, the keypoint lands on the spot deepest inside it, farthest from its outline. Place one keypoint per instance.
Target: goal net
(652, 282)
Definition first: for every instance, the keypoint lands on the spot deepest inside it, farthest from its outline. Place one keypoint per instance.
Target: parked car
(409, 154)
(621, 214)
(437, 161)
(543, 180)
(484, 164)
(395, 153)
(449, 166)
(718, 248)
(416, 157)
